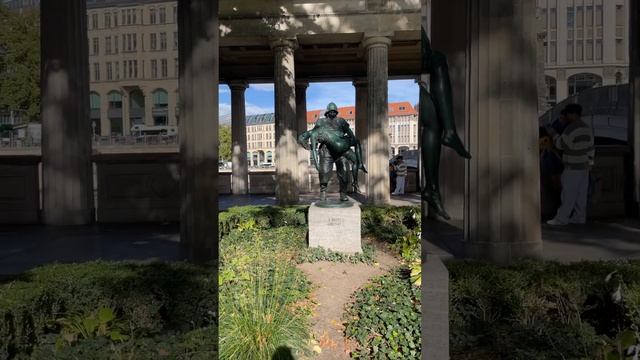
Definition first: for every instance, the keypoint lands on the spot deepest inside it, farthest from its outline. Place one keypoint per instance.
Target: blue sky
(259, 97)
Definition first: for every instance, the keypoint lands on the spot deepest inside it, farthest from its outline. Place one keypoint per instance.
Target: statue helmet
(331, 107)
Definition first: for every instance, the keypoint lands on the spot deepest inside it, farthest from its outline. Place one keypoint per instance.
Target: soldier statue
(331, 141)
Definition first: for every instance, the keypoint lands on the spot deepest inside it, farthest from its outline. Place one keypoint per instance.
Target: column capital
(237, 85)
(360, 82)
(302, 84)
(377, 40)
(276, 43)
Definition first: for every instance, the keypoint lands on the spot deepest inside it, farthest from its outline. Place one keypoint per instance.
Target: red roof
(349, 112)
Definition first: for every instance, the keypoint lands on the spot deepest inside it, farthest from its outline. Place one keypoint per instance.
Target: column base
(503, 253)
(70, 217)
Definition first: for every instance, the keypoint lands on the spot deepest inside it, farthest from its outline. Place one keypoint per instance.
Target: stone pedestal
(336, 229)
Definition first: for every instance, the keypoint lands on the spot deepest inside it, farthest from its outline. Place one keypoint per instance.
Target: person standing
(577, 145)
(392, 176)
(401, 175)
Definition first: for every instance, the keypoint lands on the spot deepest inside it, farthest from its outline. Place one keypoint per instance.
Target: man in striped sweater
(577, 146)
(401, 175)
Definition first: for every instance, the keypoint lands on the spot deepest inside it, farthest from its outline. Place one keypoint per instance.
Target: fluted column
(377, 50)
(301, 121)
(285, 122)
(198, 52)
(239, 169)
(503, 196)
(66, 129)
(362, 127)
(634, 47)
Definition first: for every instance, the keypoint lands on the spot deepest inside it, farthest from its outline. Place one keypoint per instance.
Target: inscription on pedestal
(336, 229)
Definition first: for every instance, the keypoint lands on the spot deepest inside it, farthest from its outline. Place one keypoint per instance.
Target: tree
(224, 147)
(20, 62)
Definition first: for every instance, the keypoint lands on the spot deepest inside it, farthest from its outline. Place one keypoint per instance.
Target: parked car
(410, 158)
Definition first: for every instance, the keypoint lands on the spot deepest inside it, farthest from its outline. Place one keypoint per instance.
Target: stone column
(66, 129)
(148, 107)
(285, 121)
(377, 50)
(240, 170)
(198, 84)
(301, 121)
(634, 67)
(362, 125)
(503, 194)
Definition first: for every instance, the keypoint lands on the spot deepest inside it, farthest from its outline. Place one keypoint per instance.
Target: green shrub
(264, 216)
(148, 298)
(536, 310)
(311, 255)
(390, 223)
(385, 318)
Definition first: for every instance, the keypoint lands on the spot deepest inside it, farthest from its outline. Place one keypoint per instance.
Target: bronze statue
(331, 141)
(436, 117)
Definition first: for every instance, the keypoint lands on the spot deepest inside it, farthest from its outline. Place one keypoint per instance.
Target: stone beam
(66, 129)
(198, 84)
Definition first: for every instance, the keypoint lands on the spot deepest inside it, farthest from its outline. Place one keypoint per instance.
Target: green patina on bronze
(436, 117)
(331, 141)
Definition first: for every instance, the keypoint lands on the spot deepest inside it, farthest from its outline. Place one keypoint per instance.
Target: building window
(175, 14)
(175, 39)
(115, 44)
(177, 69)
(589, 15)
(117, 70)
(107, 44)
(580, 16)
(553, 18)
(152, 16)
(109, 71)
(618, 77)
(125, 67)
(620, 16)
(599, 15)
(164, 68)
(619, 50)
(160, 106)
(163, 15)
(135, 41)
(570, 51)
(163, 41)
(107, 20)
(581, 82)
(96, 71)
(133, 15)
(553, 56)
(551, 90)
(115, 19)
(589, 50)
(94, 101)
(571, 17)
(154, 69)
(579, 50)
(599, 49)
(94, 21)
(96, 46)
(135, 69)
(154, 41)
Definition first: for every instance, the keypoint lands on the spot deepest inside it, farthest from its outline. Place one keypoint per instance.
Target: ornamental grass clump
(260, 315)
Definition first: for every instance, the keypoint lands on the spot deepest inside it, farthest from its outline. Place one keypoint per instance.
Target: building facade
(586, 45)
(133, 64)
(403, 131)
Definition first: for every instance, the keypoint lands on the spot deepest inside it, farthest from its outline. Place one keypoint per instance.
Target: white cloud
(252, 109)
(262, 87)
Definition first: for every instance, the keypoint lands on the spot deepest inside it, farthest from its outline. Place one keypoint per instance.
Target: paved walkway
(597, 240)
(24, 247)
